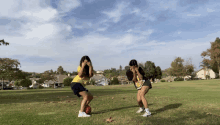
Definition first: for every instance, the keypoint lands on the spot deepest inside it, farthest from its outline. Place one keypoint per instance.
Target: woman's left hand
(136, 69)
(88, 63)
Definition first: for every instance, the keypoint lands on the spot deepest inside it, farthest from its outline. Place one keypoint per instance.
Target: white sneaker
(140, 110)
(146, 114)
(83, 114)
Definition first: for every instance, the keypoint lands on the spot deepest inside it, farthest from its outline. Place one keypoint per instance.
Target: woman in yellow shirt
(141, 83)
(85, 72)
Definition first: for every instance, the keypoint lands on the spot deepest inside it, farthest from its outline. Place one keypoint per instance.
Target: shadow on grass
(115, 109)
(181, 118)
(167, 107)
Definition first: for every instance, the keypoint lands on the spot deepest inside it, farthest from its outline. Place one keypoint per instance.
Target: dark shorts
(147, 83)
(77, 87)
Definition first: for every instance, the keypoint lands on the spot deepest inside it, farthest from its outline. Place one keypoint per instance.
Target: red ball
(88, 109)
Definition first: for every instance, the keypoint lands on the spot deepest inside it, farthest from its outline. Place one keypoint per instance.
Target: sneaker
(146, 114)
(140, 110)
(83, 114)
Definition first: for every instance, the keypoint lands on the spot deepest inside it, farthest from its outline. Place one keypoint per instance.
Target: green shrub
(207, 77)
(92, 82)
(25, 82)
(17, 83)
(162, 80)
(67, 81)
(179, 79)
(115, 81)
(41, 87)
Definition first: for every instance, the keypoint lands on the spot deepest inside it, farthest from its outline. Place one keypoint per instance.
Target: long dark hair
(86, 68)
(133, 62)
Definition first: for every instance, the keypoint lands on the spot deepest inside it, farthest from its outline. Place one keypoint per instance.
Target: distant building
(203, 72)
(99, 72)
(100, 80)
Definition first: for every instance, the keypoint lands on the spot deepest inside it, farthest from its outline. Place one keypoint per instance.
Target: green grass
(175, 103)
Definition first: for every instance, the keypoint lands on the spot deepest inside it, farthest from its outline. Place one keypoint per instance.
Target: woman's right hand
(132, 69)
(84, 63)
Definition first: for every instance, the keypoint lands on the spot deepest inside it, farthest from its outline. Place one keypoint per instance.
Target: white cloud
(68, 5)
(130, 30)
(210, 10)
(102, 29)
(41, 15)
(171, 4)
(193, 14)
(136, 11)
(117, 12)
(43, 31)
(179, 32)
(146, 33)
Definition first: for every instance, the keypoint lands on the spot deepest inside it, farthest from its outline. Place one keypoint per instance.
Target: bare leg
(139, 99)
(89, 99)
(85, 98)
(144, 90)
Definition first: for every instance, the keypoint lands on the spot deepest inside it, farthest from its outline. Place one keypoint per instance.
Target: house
(203, 72)
(100, 80)
(59, 81)
(99, 72)
(187, 77)
(48, 83)
(123, 80)
(34, 83)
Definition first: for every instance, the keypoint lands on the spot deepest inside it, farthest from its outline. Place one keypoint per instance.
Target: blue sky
(44, 34)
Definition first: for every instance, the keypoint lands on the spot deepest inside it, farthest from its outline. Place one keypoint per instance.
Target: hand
(84, 63)
(136, 69)
(132, 69)
(89, 63)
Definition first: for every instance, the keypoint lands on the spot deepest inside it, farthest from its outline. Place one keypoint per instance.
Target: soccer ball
(88, 109)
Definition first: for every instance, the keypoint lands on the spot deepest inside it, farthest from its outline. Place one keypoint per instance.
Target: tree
(8, 68)
(92, 82)
(127, 68)
(25, 83)
(114, 81)
(17, 83)
(120, 68)
(75, 73)
(215, 67)
(189, 67)
(60, 70)
(67, 81)
(159, 72)
(150, 70)
(20, 75)
(213, 53)
(177, 68)
(2, 42)
(47, 75)
(141, 65)
(205, 66)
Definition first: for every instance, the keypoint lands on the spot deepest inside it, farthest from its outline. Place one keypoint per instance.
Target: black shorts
(147, 83)
(77, 87)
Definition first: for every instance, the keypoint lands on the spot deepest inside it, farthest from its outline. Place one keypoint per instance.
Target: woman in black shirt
(141, 83)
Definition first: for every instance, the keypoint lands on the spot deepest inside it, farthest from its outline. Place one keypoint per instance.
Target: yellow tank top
(83, 81)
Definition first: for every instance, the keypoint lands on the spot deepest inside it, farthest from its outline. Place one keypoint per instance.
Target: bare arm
(134, 77)
(81, 71)
(90, 71)
(139, 75)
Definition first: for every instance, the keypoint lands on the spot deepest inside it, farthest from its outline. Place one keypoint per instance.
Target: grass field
(175, 103)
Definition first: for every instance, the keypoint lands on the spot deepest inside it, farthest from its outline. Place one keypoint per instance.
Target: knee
(142, 95)
(139, 100)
